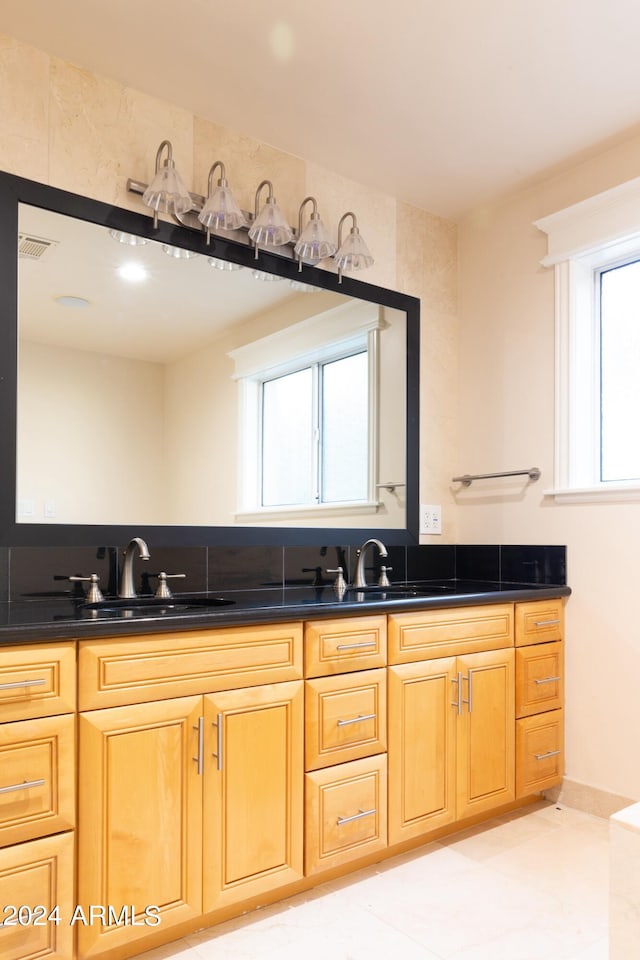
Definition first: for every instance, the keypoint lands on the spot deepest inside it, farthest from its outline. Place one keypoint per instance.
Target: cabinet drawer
(345, 717)
(539, 752)
(346, 809)
(38, 875)
(37, 791)
(539, 678)
(115, 672)
(339, 646)
(539, 621)
(448, 633)
(37, 680)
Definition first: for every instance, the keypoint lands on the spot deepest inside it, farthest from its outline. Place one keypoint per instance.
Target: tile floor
(528, 886)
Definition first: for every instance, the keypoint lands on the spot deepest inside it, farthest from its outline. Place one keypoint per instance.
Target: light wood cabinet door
(37, 778)
(140, 817)
(37, 876)
(422, 747)
(37, 680)
(447, 632)
(345, 717)
(344, 644)
(539, 621)
(346, 813)
(253, 791)
(539, 752)
(486, 732)
(539, 678)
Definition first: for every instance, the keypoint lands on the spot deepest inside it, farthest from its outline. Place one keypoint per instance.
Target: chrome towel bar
(533, 473)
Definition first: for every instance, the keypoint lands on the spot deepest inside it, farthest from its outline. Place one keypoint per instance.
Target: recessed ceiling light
(133, 272)
(75, 302)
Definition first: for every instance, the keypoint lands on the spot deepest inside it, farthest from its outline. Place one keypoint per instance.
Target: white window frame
(596, 233)
(334, 332)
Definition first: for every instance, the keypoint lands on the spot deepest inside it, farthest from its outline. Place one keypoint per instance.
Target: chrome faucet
(361, 579)
(127, 589)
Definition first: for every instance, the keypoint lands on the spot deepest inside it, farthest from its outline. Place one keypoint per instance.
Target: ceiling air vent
(33, 248)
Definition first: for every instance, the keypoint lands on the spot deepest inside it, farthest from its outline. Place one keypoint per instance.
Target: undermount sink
(152, 605)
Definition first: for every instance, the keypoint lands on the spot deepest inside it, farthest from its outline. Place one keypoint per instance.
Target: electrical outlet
(430, 518)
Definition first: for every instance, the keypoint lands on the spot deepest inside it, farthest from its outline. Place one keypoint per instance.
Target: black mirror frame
(15, 190)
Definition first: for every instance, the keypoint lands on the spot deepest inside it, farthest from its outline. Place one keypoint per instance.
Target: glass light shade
(221, 212)
(270, 227)
(167, 192)
(263, 275)
(354, 253)
(314, 243)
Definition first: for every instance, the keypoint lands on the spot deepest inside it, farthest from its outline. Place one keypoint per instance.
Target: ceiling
(442, 103)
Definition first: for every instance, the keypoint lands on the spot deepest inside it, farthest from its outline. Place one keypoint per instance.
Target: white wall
(506, 421)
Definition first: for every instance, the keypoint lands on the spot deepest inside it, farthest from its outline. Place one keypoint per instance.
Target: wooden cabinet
(451, 740)
(180, 790)
(140, 816)
(539, 695)
(38, 877)
(427, 634)
(345, 644)
(346, 813)
(253, 792)
(37, 680)
(37, 778)
(345, 717)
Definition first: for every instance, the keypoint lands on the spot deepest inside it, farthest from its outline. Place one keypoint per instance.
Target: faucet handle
(163, 592)
(383, 580)
(94, 593)
(340, 585)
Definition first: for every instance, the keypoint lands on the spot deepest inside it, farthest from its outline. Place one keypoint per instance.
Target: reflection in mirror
(155, 389)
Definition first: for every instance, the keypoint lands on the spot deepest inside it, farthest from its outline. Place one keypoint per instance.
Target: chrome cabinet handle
(21, 683)
(200, 758)
(545, 623)
(469, 680)
(548, 680)
(356, 816)
(543, 756)
(363, 716)
(356, 646)
(218, 755)
(22, 786)
(457, 702)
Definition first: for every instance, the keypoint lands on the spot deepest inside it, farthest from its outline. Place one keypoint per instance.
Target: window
(595, 249)
(309, 419)
(315, 429)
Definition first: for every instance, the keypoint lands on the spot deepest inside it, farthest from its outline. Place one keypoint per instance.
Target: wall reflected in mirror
(140, 389)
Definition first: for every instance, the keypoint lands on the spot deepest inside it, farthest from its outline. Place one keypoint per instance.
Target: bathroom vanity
(227, 758)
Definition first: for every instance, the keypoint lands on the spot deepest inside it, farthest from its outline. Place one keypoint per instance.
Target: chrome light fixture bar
(265, 227)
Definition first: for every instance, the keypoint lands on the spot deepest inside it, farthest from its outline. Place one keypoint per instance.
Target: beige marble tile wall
(60, 124)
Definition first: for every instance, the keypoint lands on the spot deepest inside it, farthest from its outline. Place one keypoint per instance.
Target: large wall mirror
(156, 385)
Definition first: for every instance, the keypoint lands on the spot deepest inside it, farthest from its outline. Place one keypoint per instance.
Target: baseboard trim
(580, 796)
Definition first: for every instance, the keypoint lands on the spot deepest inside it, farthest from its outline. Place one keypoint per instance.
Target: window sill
(315, 510)
(611, 493)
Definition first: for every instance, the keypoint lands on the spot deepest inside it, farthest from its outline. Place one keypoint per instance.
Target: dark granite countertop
(60, 617)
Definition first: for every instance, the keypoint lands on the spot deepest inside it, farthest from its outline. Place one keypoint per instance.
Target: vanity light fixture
(314, 243)
(353, 253)
(220, 211)
(269, 226)
(166, 192)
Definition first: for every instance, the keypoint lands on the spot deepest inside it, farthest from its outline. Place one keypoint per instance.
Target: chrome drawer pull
(21, 683)
(546, 623)
(356, 816)
(364, 716)
(22, 786)
(548, 680)
(469, 680)
(457, 702)
(200, 758)
(543, 756)
(357, 646)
